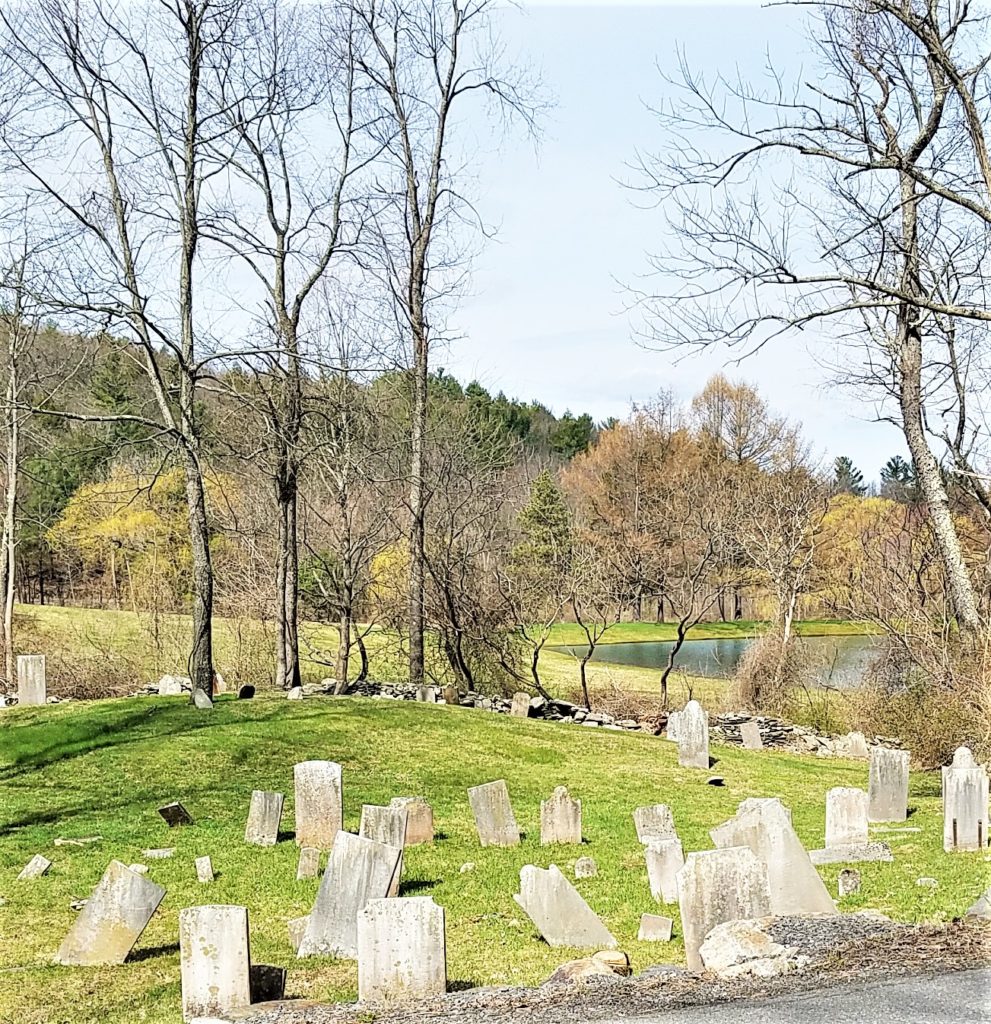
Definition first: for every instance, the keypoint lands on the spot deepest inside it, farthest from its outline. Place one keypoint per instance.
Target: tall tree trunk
(417, 503)
(291, 591)
(343, 647)
(280, 587)
(10, 524)
(201, 656)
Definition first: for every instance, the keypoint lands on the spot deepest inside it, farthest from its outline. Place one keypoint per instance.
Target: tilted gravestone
(521, 705)
(654, 928)
(560, 818)
(358, 870)
(693, 736)
(965, 804)
(750, 735)
(888, 785)
(585, 867)
(32, 687)
(113, 919)
(716, 886)
(493, 814)
(386, 825)
(419, 819)
(175, 814)
(35, 868)
(264, 818)
(665, 858)
(319, 803)
(204, 870)
(214, 960)
(654, 822)
(309, 863)
(402, 951)
(558, 911)
(846, 817)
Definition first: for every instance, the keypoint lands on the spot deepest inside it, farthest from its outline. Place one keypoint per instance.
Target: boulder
(981, 909)
(605, 963)
(738, 948)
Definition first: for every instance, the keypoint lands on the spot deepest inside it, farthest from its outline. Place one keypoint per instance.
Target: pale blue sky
(546, 315)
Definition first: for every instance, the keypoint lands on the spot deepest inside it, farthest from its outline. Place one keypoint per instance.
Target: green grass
(102, 768)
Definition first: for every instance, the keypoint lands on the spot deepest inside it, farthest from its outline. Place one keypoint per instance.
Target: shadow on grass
(285, 837)
(153, 952)
(459, 985)
(418, 885)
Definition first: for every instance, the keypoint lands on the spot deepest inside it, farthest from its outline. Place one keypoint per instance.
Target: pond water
(843, 659)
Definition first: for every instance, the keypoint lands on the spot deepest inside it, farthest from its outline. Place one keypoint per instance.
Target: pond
(844, 659)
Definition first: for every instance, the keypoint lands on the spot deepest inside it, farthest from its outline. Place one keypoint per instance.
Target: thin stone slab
(319, 787)
(264, 818)
(521, 705)
(665, 858)
(654, 822)
(32, 687)
(794, 884)
(716, 886)
(419, 819)
(965, 808)
(558, 911)
(358, 870)
(204, 870)
(560, 818)
(693, 736)
(853, 854)
(386, 825)
(309, 863)
(846, 817)
(750, 735)
(888, 785)
(672, 726)
(297, 929)
(214, 960)
(654, 928)
(175, 814)
(402, 951)
(35, 868)
(113, 919)
(493, 814)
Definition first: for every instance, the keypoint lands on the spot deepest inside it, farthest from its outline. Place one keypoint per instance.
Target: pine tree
(545, 523)
(898, 480)
(847, 479)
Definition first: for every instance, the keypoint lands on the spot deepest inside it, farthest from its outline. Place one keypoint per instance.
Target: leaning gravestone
(309, 863)
(264, 818)
(654, 928)
(402, 951)
(521, 705)
(214, 960)
(175, 814)
(31, 685)
(493, 814)
(655, 822)
(560, 818)
(693, 736)
(386, 825)
(846, 817)
(765, 828)
(557, 909)
(112, 920)
(665, 858)
(358, 870)
(965, 804)
(750, 735)
(419, 819)
(888, 785)
(35, 868)
(716, 886)
(319, 803)
(204, 870)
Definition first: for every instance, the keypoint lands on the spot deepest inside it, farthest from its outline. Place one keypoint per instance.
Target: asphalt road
(962, 998)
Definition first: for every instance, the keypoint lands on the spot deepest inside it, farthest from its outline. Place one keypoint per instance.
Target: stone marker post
(32, 687)
(750, 735)
(308, 865)
(521, 705)
(264, 818)
(402, 951)
(494, 816)
(888, 785)
(560, 818)
(214, 960)
(846, 817)
(419, 819)
(693, 736)
(319, 803)
(204, 869)
(965, 804)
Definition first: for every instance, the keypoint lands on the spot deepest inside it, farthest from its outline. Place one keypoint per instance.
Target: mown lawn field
(102, 768)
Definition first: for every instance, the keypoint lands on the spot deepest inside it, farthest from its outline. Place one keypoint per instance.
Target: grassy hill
(102, 768)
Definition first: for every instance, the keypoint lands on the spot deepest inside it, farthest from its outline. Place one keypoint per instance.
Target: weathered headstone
(693, 736)
(585, 867)
(665, 858)
(175, 814)
(888, 785)
(557, 909)
(161, 853)
(493, 814)
(671, 728)
(297, 928)
(113, 919)
(716, 886)
(358, 870)
(852, 854)
(386, 825)
(846, 817)
(309, 863)
(35, 868)
(264, 818)
(965, 804)
(402, 951)
(204, 869)
(202, 700)
(848, 882)
(172, 686)
(214, 960)
(765, 828)
(655, 822)
(560, 818)
(451, 695)
(750, 735)
(419, 819)
(654, 928)
(32, 687)
(319, 803)
(427, 694)
(521, 705)
(856, 746)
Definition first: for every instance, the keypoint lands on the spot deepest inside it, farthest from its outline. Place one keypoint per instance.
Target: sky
(546, 317)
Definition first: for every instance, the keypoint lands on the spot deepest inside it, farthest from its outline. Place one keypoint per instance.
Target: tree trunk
(417, 545)
(343, 648)
(201, 655)
(363, 653)
(9, 526)
(584, 662)
(280, 588)
(290, 592)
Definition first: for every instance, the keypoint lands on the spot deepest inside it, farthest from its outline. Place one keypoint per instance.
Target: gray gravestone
(585, 867)
(965, 805)
(402, 951)
(654, 928)
(309, 863)
(521, 705)
(319, 803)
(172, 686)
(386, 825)
(848, 882)
(888, 785)
(716, 886)
(175, 814)
(32, 687)
(655, 822)
(264, 818)
(671, 728)
(35, 868)
(665, 858)
(560, 818)
(419, 819)
(214, 960)
(493, 814)
(113, 919)
(358, 870)
(693, 736)
(750, 735)
(204, 869)
(860, 853)
(856, 746)
(427, 694)
(846, 817)
(557, 909)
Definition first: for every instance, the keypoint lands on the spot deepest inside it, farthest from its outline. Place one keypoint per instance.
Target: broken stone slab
(716, 886)
(162, 853)
(493, 813)
(402, 951)
(204, 870)
(32, 688)
(214, 960)
(419, 819)
(560, 818)
(173, 686)
(113, 919)
(35, 868)
(319, 790)
(655, 928)
(848, 882)
(888, 785)
(521, 705)
(654, 822)
(175, 814)
(765, 828)
(665, 858)
(693, 736)
(358, 870)
(965, 806)
(309, 863)
(85, 841)
(846, 817)
(750, 735)
(853, 854)
(734, 949)
(386, 825)
(558, 911)
(264, 818)
(585, 867)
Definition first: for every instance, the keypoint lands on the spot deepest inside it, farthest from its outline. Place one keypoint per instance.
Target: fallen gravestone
(846, 817)
(112, 920)
(558, 911)
(859, 853)
(655, 822)
(419, 819)
(319, 787)
(965, 804)
(32, 687)
(521, 705)
(560, 818)
(493, 813)
(665, 858)
(750, 735)
(175, 814)
(654, 928)
(309, 863)
(162, 853)
(264, 818)
(585, 867)
(35, 868)
(888, 785)
(204, 870)
(402, 952)
(693, 736)
(214, 960)
(386, 825)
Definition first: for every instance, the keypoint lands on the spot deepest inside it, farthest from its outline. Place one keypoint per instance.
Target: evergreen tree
(573, 435)
(847, 479)
(898, 480)
(545, 524)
